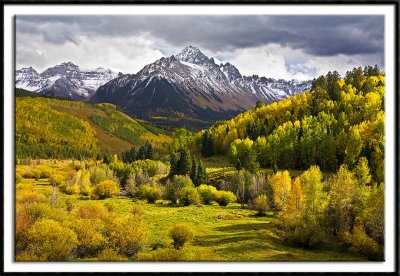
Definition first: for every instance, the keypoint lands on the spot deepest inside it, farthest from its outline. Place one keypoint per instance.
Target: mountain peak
(230, 71)
(193, 55)
(27, 70)
(69, 64)
(190, 50)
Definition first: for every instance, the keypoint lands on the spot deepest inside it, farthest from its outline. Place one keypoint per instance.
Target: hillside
(51, 128)
(340, 121)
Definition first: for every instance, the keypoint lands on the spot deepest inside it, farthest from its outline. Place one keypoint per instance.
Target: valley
(299, 179)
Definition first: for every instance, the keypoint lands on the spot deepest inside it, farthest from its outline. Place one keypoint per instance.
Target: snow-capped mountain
(191, 87)
(65, 80)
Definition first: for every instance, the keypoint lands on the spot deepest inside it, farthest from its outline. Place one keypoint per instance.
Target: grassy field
(221, 233)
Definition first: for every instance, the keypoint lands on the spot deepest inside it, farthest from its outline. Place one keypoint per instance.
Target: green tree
(174, 188)
(184, 164)
(173, 165)
(207, 148)
(201, 174)
(194, 172)
(250, 161)
(149, 151)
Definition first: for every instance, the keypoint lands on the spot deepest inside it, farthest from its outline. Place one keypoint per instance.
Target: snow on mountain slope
(188, 85)
(192, 84)
(65, 80)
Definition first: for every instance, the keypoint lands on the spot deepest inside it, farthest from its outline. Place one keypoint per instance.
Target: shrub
(129, 234)
(70, 187)
(306, 232)
(91, 210)
(223, 198)
(36, 174)
(23, 222)
(39, 210)
(56, 179)
(71, 203)
(174, 187)
(181, 234)
(151, 194)
(207, 193)
(105, 189)
(261, 204)
(188, 196)
(45, 172)
(86, 191)
(89, 234)
(110, 254)
(366, 245)
(18, 178)
(50, 241)
(27, 196)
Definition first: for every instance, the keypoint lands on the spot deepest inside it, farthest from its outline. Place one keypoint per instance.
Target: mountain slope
(66, 81)
(338, 122)
(190, 89)
(50, 128)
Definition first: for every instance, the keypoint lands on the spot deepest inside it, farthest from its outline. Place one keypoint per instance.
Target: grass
(221, 233)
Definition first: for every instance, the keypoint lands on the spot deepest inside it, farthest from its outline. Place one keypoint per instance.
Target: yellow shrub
(181, 234)
(110, 254)
(105, 189)
(129, 234)
(91, 210)
(50, 241)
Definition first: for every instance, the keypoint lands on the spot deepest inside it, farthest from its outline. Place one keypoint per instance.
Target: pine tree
(141, 153)
(249, 161)
(193, 173)
(149, 152)
(201, 174)
(173, 165)
(207, 148)
(132, 154)
(184, 164)
(107, 158)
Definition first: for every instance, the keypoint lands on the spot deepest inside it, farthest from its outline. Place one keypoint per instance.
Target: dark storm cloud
(316, 35)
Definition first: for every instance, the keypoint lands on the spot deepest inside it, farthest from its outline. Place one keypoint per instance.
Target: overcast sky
(300, 47)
